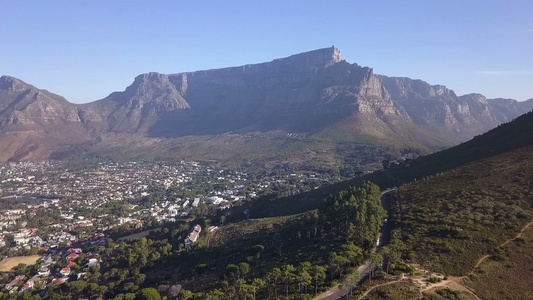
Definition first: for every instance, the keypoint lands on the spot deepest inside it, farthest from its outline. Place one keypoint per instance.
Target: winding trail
(481, 260)
(379, 285)
(337, 293)
(458, 280)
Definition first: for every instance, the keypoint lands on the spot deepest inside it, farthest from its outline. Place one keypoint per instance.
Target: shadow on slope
(504, 138)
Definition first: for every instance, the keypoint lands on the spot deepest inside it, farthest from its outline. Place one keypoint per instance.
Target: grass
(9, 263)
(509, 278)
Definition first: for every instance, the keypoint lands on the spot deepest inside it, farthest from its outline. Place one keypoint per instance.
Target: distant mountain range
(308, 109)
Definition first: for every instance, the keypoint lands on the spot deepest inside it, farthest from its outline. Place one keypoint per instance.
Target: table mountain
(312, 107)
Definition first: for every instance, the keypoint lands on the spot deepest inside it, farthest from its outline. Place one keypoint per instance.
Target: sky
(84, 50)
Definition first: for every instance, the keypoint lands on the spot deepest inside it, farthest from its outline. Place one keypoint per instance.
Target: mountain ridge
(306, 94)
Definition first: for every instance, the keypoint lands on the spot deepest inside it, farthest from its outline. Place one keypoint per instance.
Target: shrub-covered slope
(449, 220)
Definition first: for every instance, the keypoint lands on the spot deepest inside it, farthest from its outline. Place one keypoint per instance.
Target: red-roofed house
(72, 256)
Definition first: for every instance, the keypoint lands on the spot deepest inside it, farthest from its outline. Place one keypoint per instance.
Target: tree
(376, 260)
(244, 268)
(148, 294)
(319, 275)
(390, 256)
(245, 290)
(139, 278)
(129, 296)
(351, 281)
(76, 287)
(185, 295)
(215, 294)
(304, 279)
(207, 223)
(352, 253)
(92, 289)
(103, 289)
(287, 271)
(337, 263)
(313, 218)
(273, 276)
(257, 250)
(257, 284)
(232, 271)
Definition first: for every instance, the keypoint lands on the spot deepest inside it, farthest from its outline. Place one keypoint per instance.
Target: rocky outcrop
(283, 94)
(141, 104)
(440, 110)
(24, 107)
(34, 122)
(506, 110)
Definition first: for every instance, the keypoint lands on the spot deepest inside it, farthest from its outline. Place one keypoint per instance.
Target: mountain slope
(452, 219)
(33, 122)
(506, 137)
(455, 118)
(467, 200)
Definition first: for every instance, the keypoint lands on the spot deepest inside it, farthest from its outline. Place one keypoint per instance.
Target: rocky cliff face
(283, 94)
(508, 109)
(28, 108)
(439, 109)
(325, 102)
(33, 122)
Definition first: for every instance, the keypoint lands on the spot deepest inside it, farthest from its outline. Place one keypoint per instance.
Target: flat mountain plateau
(310, 110)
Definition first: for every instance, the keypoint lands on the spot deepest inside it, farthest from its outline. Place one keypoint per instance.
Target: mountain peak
(324, 57)
(150, 76)
(332, 54)
(12, 83)
(336, 54)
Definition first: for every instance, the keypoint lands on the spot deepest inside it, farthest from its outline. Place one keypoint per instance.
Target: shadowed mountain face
(301, 93)
(310, 103)
(455, 118)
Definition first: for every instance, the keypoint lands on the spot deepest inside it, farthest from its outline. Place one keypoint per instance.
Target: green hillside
(504, 138)
(450, 220)
(510, 277)
(293, 256)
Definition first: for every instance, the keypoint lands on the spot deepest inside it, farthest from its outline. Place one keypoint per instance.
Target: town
(52, 211)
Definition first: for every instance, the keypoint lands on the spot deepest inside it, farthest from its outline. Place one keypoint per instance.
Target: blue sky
(84, 50)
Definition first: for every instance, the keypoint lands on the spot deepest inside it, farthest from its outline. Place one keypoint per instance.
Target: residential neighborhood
(54, 209)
